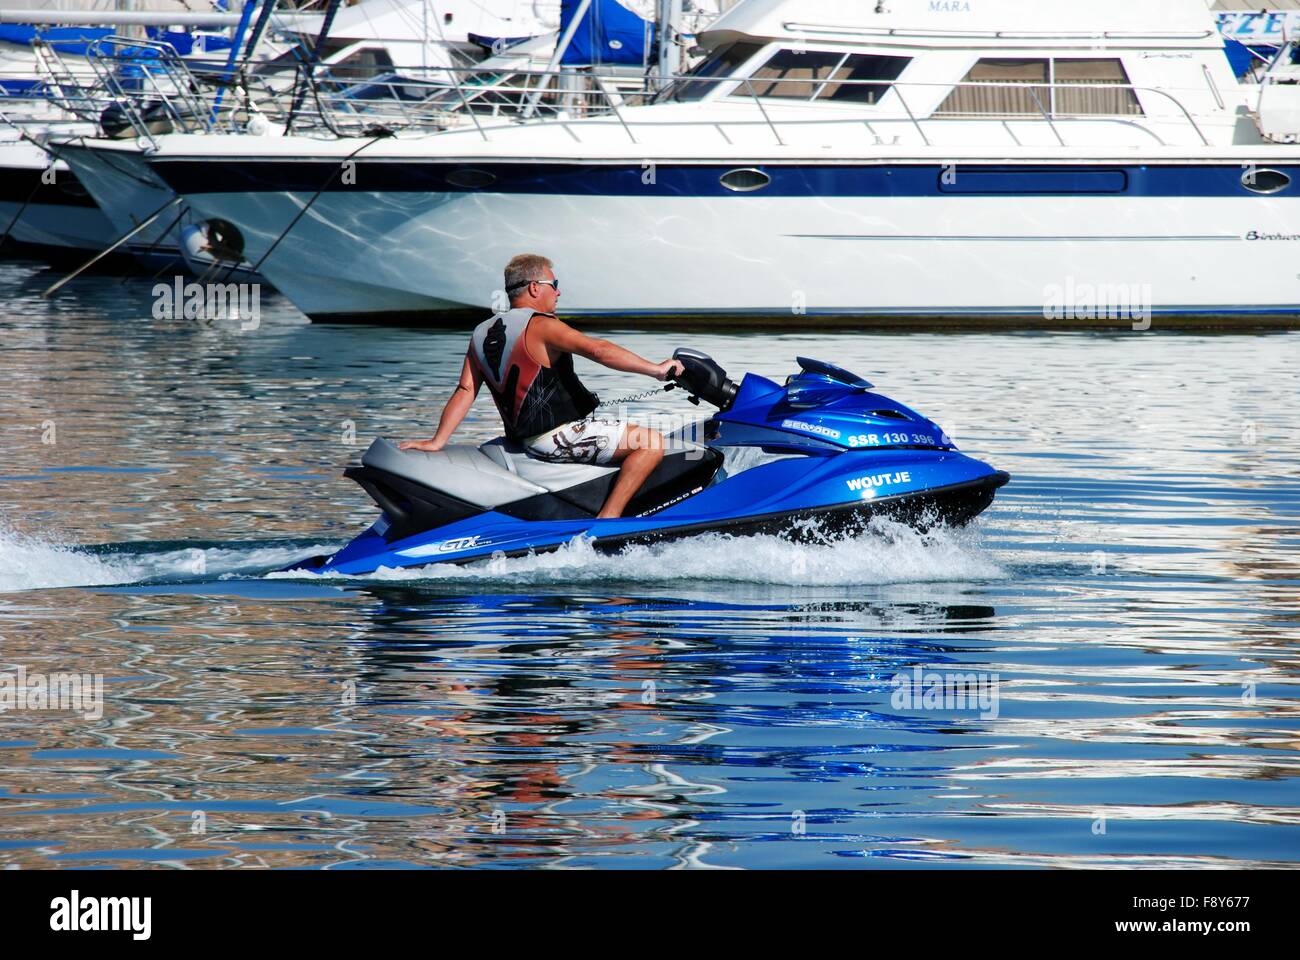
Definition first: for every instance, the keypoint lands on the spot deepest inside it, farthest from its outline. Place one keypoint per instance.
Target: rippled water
(1133, 597)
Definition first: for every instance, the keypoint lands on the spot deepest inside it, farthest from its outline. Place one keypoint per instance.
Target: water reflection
(716, 704)
(417, 725)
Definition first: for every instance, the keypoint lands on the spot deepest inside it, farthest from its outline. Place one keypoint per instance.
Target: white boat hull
(128, 193)
(378, 256)
(56, 214)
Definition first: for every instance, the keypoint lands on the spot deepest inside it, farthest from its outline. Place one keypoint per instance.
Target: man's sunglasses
(553, 284)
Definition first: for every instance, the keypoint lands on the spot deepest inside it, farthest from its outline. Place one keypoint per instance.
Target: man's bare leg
(638, 455)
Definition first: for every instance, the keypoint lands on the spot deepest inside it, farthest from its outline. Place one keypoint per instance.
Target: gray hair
(524, 269)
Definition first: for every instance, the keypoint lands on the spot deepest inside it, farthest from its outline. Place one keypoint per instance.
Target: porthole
(745, 180)
(471, 179)
(1265, 181)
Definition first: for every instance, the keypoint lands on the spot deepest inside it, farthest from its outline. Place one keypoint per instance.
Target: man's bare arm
(558, 335)
(453, 413)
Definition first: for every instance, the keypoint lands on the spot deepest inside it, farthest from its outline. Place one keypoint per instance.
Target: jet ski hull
(496, 535)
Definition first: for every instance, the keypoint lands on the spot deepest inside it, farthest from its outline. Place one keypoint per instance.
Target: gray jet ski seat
(552, 476)
(458, 469)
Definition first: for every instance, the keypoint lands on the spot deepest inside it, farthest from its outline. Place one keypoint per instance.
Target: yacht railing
(146, 72)
(73, 89)
(156, 90)
(448, 96)
(439, 97)
(151, 89)
(159, 90)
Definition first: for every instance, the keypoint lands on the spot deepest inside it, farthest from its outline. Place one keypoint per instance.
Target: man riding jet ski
(813, 457)
(525, 356)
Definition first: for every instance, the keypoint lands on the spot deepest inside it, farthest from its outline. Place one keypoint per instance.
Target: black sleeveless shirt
(532, 399)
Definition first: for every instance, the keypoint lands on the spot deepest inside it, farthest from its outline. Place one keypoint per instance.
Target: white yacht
(827, 161)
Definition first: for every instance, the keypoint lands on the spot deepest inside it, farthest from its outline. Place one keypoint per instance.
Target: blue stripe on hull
(194, 177)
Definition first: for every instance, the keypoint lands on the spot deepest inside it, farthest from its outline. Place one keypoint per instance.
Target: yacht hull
(1074, 244)
(44, 209)
(128, 193)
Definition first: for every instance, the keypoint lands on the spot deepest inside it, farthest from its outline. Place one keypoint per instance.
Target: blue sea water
(1130, 606)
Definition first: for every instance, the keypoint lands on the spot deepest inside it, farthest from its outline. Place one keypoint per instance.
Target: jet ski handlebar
(702, 377)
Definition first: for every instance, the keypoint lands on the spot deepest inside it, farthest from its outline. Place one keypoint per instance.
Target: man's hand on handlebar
(669, 369)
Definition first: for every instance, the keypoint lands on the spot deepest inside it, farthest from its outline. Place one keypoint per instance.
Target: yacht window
(1000, 99)
(793, 75)
(858, 68)
(824, 75)
(723, 63)
(1033, 95)
(1108, 102)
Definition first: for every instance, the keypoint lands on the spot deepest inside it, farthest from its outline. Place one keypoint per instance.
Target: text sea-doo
(819, 455)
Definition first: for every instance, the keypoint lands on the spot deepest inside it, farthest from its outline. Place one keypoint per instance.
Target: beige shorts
(594, 440)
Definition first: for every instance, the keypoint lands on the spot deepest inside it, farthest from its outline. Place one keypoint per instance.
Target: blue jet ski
(814, 457)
